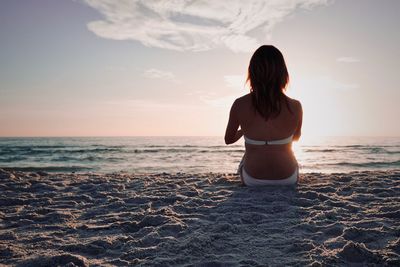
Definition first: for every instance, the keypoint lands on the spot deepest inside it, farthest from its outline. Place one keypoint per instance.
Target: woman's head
(268, 77)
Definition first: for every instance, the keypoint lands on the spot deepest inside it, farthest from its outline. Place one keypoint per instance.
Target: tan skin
(266, 161)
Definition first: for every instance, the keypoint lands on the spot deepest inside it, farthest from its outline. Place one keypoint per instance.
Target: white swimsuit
(251, 181)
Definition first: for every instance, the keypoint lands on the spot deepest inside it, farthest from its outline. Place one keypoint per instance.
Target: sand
(198, 220)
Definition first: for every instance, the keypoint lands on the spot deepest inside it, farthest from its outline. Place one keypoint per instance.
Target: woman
(269, 121)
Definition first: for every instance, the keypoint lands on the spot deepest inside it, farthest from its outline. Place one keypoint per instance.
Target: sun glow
(320, 101)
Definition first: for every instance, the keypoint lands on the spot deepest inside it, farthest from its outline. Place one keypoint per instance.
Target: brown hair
(268, 78)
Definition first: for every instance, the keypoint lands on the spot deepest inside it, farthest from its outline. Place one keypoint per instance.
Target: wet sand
(49, 219)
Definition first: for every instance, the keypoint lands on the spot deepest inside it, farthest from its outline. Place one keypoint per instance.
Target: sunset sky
(154, 67)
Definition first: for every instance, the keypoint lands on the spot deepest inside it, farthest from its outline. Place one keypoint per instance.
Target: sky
(173, 68)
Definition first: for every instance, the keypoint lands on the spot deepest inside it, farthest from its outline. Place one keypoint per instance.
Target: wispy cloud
(146, 104)
(347, 60)
(160, 74)
(235, 81)
(320, 83)
(193, 25)
(218, 102)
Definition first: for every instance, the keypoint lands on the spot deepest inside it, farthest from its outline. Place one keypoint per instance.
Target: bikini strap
(272, 142)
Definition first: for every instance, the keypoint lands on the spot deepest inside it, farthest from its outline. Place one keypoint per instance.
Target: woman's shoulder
(243, 100)
(241, 104)
(294, 103)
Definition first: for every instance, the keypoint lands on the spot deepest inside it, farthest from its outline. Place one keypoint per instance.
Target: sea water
(188, 154)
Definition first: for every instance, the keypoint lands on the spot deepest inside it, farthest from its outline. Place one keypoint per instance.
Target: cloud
(160, 74)
(320, 83)
(235, 81)
(215, 100)
(347, 60)
(219, 102)
(187, 25)
(146, 104)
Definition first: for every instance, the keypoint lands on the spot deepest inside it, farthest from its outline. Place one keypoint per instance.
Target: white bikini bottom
(250, 181)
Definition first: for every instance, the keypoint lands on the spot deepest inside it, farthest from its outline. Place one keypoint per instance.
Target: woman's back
(269, 121)
(269, 161)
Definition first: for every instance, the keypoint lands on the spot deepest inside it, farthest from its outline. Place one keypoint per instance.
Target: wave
(393, 152)
(161, 150)
(190, 146)
(28, 151)
(160, 146)
(223, 151)
(87, 158)
(173, 150)
(50, 169)
(33, 146)
(367, 146)
(93, 150)
(368, 149)
(319, 150)
(369, 164)
(12, 158)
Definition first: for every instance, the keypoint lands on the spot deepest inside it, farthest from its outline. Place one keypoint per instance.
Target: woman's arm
(232, 134)
(238, 135)
(297, 133)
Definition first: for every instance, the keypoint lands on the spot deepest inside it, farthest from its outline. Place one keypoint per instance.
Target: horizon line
(104, 136)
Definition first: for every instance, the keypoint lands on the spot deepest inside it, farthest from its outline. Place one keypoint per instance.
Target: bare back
(269, 161)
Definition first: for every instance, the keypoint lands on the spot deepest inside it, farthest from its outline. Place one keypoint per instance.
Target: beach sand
(60, 219)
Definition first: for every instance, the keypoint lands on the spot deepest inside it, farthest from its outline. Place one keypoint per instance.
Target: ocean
(188, 154)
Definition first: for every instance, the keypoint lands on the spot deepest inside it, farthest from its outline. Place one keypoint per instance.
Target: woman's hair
(268, 78)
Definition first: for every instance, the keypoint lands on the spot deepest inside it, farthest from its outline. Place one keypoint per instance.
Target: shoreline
(117, 219)
(24, 170)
